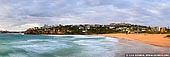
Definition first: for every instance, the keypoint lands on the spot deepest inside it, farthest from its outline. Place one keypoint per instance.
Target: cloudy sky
(22, 14)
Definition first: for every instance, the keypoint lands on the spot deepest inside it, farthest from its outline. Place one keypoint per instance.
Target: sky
(19, 15)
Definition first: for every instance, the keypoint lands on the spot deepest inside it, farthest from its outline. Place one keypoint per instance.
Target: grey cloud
(22, 14)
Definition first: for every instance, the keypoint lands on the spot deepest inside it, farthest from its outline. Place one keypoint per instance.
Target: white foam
(81, 42)
(87, 42)
(62, 35)
(79, 36)
(42, 47)
(17, 55)
(34, 40)
(112, 39)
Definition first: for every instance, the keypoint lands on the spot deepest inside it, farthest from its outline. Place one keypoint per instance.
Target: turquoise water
(17, 45)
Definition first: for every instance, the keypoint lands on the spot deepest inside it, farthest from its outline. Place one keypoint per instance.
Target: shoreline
(153, 39)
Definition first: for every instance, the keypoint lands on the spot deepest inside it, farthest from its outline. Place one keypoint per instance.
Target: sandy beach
(153, 39)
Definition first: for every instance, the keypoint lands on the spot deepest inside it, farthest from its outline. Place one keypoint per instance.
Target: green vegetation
(96, 29)
(168, 36)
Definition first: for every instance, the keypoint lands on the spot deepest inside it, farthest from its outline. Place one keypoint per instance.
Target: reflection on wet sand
(129, 46)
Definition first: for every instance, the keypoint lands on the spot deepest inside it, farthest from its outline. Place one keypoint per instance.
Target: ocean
(19, 45)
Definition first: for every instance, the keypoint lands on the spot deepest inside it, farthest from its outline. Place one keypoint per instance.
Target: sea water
(19, 45)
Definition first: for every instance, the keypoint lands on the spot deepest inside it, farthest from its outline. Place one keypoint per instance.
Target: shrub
(168, 36)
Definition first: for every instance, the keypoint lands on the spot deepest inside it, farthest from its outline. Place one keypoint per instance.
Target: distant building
(143, 29)
(97, 25)
(111, 27)
(81, 27)
(112, 24)
(155, 29)
(45, 26)
(163, 29)
(122, 23)
(87, 26)
(84, 30)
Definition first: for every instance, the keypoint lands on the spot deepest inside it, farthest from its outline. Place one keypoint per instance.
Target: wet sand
(153, 39)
